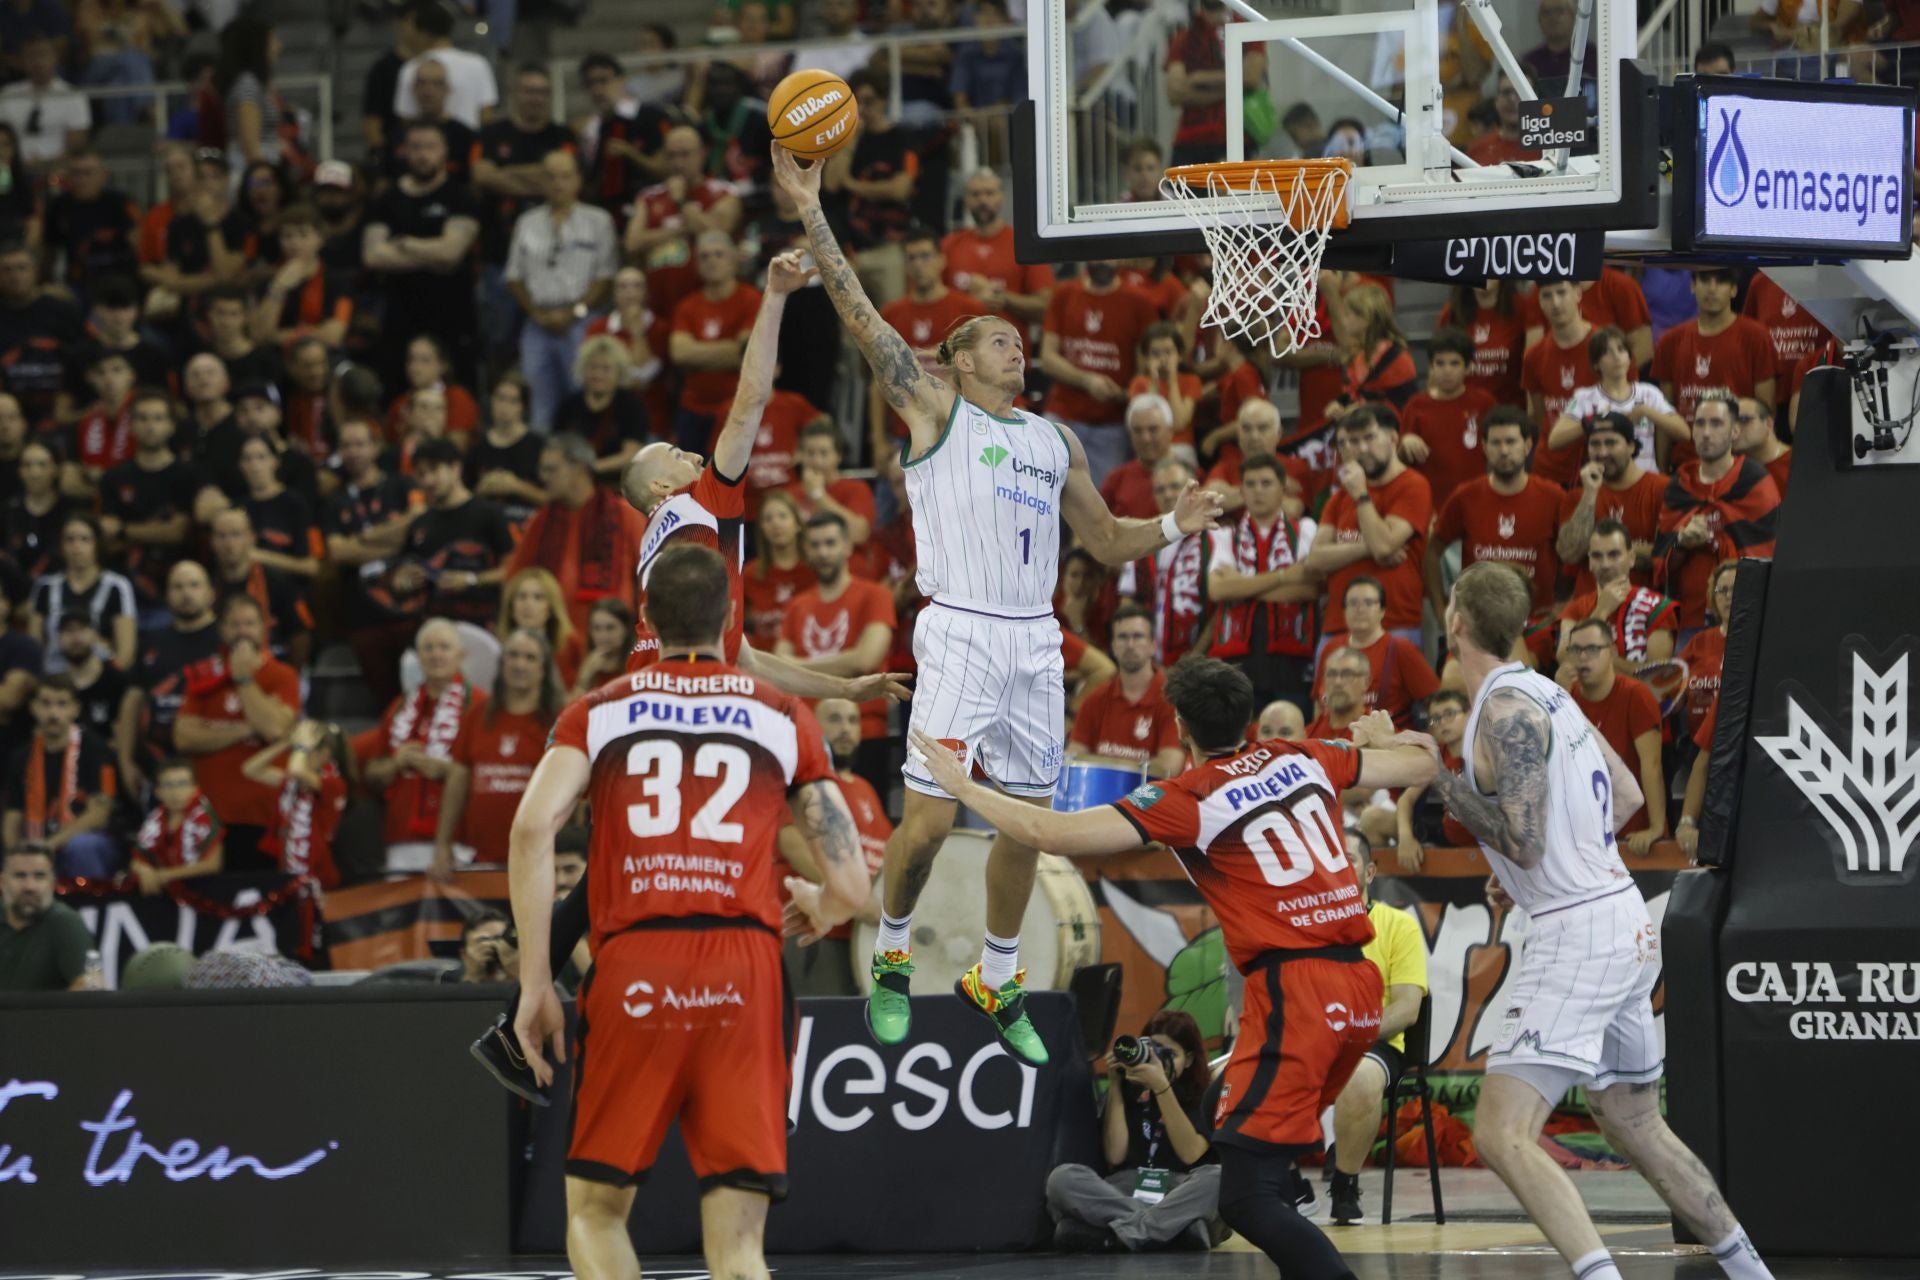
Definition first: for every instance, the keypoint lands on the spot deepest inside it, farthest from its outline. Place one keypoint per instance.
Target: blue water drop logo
(1727, 170)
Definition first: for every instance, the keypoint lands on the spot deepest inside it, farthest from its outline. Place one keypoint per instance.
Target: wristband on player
(1170, 529)
(1363, 500)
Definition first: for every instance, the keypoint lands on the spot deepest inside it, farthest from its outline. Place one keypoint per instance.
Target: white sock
(999, 957)
(1597, 1265)
(1739, 1259)
(893, 933)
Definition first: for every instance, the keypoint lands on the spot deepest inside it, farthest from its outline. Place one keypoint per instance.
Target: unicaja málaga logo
(1728, 173)
(1869, 794)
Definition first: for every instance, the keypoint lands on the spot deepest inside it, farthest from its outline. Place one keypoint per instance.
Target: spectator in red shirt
(1617, 301)
(778, 571)
(1401, 677)
(103, 438)
(1257, 430)
(710, 328)
(1555, 367)
(1628, 717)
(981, 262)
(585, 536)
(1719, 348)
(1640, 619)
(1196, 82)
(1375, 523)
(181, 838)
(1500, 145)
(408, 756)
(312, 797)
(1440, 427)
(1266, 591)
(1344, 679)
(1706, 653)
(532, 601)
(844, 627)
(1794, 329)
(1506, 514)
(922, 316)
(237, 701)
(1717, 507)
(1380, 369)
(670, 215)
(1162, 348)
(1129, 487)
(645, 331)
(1755, 438)
(820, 486)
(494, 756)
(429, 368)
(1491, 315)
(1129, 717)
(1094, 326)
(1612, 487)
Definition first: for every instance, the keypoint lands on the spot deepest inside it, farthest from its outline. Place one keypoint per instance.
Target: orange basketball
(812, 114)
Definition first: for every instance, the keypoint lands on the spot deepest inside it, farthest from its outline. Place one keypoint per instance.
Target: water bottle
(93, 974)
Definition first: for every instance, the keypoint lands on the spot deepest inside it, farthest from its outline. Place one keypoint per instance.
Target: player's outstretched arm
(1115, 541)
(1086, 832)
(820, 811)
(805, 682)
(1514, 735)
(734, 447)
(921, 399)
(549, 800)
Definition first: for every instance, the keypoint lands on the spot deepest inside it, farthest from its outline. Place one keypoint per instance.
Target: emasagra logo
(1869, 794)
(1728, 173)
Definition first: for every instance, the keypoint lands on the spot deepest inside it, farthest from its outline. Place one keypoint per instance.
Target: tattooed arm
(922, 400)
(1513, 739)
(821, 813)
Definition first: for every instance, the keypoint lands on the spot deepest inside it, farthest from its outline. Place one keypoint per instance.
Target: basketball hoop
(1266, 224)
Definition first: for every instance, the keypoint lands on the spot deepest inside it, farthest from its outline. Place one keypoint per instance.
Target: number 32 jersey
(1260, 835)
(689, 765)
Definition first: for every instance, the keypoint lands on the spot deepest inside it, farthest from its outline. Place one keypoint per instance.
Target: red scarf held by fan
(42, 822)
(436, 728)
(160, 847)
(1290, 628)
(1180, 597)
(599, 522)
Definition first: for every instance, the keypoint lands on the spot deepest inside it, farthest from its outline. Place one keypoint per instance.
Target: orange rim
(1281, 177)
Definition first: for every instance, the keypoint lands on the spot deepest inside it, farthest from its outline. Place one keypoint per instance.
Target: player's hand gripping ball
(812, 114)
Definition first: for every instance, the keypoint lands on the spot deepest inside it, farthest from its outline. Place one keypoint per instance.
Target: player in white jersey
(1545, 795)
(989, 485)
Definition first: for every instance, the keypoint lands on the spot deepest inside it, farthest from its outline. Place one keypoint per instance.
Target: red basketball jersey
(690, 765)
(710, 512)
(1259, 834)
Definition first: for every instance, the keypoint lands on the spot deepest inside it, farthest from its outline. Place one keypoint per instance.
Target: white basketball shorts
(998, 685)
(1580, 1010)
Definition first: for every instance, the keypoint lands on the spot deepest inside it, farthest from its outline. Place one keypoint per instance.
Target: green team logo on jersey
(993, 455)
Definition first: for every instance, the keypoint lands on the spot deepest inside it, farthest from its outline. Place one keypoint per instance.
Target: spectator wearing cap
(169, 656)
(450, 564)
(205, 238)
(114, 325)
(336, 199)
(85, 585)
(256, 415)
(508, 175)
(560, 267)
(431, 90)
(99, 683)
(181, 838)
(43, 941)
(61, 787)
(1129, 487)
(238, 702)
(366, 521)
(418, 244)
(585, 535)
(239, 568)
(408, 756)
(227, 312)
(473, 91)
(37, 331)
(90, 224)
(1612, 486)
(48, 115)
(147, 503)
(304, 298)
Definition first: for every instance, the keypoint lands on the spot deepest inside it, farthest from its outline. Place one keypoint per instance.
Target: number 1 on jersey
(1026, 546)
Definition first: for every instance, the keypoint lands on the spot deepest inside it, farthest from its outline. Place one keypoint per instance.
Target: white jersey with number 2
(986, 511)
(1582, 860)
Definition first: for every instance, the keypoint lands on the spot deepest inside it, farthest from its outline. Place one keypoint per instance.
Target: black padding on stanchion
(1727, 764)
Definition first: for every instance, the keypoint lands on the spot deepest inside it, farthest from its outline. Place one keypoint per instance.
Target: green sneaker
(889, 1008)
(1006, 1009)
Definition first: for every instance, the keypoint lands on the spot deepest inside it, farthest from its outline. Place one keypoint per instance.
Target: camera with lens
(1131, 1051)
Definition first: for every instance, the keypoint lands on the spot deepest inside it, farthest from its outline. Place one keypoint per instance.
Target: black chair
(1096, 996)
(1412, 1083)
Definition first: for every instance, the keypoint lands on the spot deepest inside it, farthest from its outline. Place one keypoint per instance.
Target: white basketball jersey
(986, 510)
(1582, 860)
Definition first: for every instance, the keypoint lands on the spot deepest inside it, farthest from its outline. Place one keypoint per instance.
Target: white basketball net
(1266, 243)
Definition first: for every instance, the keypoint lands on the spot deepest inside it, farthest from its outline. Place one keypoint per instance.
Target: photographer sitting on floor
(1163, 1190)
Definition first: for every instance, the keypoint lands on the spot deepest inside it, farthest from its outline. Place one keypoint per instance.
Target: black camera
(1131, 1051)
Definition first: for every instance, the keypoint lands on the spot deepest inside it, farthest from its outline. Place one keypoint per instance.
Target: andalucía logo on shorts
(1727, 170)
(993, 455)
(1869, 794)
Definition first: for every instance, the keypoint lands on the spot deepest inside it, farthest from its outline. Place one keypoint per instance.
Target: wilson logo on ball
(798, 114)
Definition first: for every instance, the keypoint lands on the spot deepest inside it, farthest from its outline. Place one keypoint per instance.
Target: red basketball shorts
(685, 1024)
(1306, 1025)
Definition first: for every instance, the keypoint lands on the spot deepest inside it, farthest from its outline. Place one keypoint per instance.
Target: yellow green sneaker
(1006, 1009)
(889, 1004)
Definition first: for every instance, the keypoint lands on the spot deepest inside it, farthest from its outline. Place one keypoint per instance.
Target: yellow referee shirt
(1399, 950)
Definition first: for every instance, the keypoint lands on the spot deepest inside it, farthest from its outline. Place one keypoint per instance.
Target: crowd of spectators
(297, 408)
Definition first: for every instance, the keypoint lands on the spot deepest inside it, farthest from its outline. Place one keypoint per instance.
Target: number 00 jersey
(986, 511)
(1260, 835)
(710, 512)
(690, 762)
